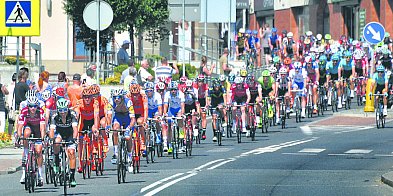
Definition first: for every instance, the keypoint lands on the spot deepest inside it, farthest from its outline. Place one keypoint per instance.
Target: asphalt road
(300, 160)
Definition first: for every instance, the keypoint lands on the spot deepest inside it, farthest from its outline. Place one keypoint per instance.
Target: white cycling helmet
(238, 80)
(272, 69)
(358, 54)
(297, 65)
(309, 33)
(319, 37)
(222, 78)
(283, 70)
(30, 93)
(290, 35)
(46, 95)
(160, 85)
(188, 83)
(32, 100)
(117, 92)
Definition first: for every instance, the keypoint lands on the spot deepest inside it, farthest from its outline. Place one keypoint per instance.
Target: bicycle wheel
(64, 166)
(47, 165)
(124, 161)
(377, 116)
(238, 132)
(90, 161)
(119, 163)
(27, 180)
(84, 160)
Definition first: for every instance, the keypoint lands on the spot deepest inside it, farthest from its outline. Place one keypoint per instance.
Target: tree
(133, 16)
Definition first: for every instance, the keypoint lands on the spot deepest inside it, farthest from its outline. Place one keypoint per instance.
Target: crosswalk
(347, 152)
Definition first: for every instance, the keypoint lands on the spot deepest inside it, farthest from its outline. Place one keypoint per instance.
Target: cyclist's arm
(182, 104)
(131, 113)
(248, 95)
(96, 114)
(145, 105)
(317, 75)
(52, 127)
(21, 122)
(42, 123)
(166, 101)
(353, 68)
(224, 95)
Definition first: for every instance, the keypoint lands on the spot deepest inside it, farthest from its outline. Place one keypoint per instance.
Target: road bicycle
(175, 135)
(64, 175)
(379, 117)
(322, 101)
(239, 123)
(252, 124)
(122, 155)
(283, 110)
(188, 133)
(136, 149)
(99, 155)
(264, 114)
(230, 122)
(49, 162)
(309, 100)
(153, 141)
(86, 153)
(217, 123)
(334, 95)
(298, 105)
(360, 94)
(31, 168)
(346, 95)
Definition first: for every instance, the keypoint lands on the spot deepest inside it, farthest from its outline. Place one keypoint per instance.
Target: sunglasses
(117, 97)
(149, 91)
(381, 72)
(63, 110)
(33, 106)
(86, 96)
(173, 90)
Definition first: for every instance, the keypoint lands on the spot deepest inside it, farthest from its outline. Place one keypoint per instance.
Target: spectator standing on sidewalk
(20, 89)
(11, 104)
(144, 75)
(126, 72)
(264, 37)
(42, 83)
(164, 70)
(3, 92)
(122, 55)
(203, 67)
(75, 90)
(224, 68)
(128, 79)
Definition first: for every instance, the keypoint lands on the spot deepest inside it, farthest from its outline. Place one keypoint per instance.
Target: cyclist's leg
(71, 156)
(243, 109)
(385, 102)
(141, 131)
(315, 97)
(103, 133)
(56, 150)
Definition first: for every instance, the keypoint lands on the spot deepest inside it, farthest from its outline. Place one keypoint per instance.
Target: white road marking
(297, 153)
(383, 155)
(155, 191)
(222, 163)
(358, 151)
(338, 154)
(220, 150)
(312, 150)
(160, 182)
(207, 164)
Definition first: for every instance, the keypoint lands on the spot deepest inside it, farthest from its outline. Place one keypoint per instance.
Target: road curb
(11, 170)
(387, 178)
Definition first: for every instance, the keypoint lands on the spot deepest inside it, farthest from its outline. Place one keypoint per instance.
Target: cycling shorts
(334, 76)
(67, 139)
(152, 112)
(347, 74)
(122, 119)
(35, 133)
(202, 102)
(265, 92)
(189, 108)
(359, 71)
(266, 50)
(282, 92)
(379, 88)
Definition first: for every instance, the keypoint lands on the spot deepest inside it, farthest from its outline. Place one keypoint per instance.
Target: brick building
(336, 17)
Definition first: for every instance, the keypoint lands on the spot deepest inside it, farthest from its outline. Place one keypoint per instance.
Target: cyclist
(281, 90)
(274, 42)
(173, 106)
(103, 113)
(64, 126)
(332, 68)
(290, 46)
(87, 111)
(380, 79)
(32, 122)
(297, 78)
(202, 96)
(191, 103)
(347, 71)
(182, 83)
(154, 101)
(308, 42)
(217, 98)
(268, 85)
(313, 77)
(386, 59)
(240, 96)
(252, 47)
(122, 110)
(300, 47)
(253, 87)
(140, 104)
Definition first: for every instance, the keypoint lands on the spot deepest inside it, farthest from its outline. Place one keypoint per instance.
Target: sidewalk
(10, 160)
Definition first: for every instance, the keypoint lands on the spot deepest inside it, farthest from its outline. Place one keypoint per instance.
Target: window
(79, 52)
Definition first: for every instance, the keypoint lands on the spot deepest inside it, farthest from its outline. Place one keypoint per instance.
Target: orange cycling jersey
(139, 102)
(103, 103)
(87, 112)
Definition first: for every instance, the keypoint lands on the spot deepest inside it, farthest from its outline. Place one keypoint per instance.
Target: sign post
(373, 32)
(98, 16)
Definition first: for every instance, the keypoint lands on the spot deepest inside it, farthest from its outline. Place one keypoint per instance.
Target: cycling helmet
(365, 45)
(328, 36)
(95, 89)
(248, 31)
(243, 73)
(290, 35)
(276, 59)
(272, 69)
(254, 32)
(283, 70)
(238, 80)
(250, 78)
(385, 51)
(348, 54)
(189, 83)
(86, 91)
(163, 78)
(32, 100)
(297, 65)
(183, 79)
(322, 58)
(321, 49)
(160, 86)
(61, 104)
(46, 94)
(335, 57)
(358, 54)
(173, 85)
(387, 34)
(222, 78)
(201, 77)
(309, 33)
(117, 92)
(30, 93)
(135, 88)
(241, 30)
(60, 91)
(231, 78)
(149, 86)
(358, 45)
(319, 37)
(287, 61)
(216, 83)
(380, 68)
(274, 30)
(308, 59)
(266, 73)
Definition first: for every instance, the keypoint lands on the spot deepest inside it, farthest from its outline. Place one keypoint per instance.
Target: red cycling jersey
(27, 119)
(239, 93)
(139, 102)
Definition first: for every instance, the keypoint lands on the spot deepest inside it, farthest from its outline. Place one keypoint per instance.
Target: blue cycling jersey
(380, 80)
(333, 69)
(252, 42)
(347, 65)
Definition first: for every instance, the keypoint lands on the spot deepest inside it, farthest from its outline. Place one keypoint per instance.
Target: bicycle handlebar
(30, 139)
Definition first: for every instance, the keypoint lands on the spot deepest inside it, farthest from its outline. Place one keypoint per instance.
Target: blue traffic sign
(373, 32)
(18, 14)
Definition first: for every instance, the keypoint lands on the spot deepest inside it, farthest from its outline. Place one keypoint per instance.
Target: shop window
(79, 52)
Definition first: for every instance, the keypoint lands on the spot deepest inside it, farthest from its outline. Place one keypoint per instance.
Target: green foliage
(12, 60)
(114, 80)
(190, 72)
(119, 69)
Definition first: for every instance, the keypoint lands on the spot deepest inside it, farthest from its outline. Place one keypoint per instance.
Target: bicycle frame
(122, 155)
(86, 153)
(31, 165)
(238, 116)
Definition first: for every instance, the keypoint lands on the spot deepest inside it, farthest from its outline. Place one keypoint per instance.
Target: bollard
(369, 106)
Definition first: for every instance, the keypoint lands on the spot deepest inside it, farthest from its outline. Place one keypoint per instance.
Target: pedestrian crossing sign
(20, 17)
